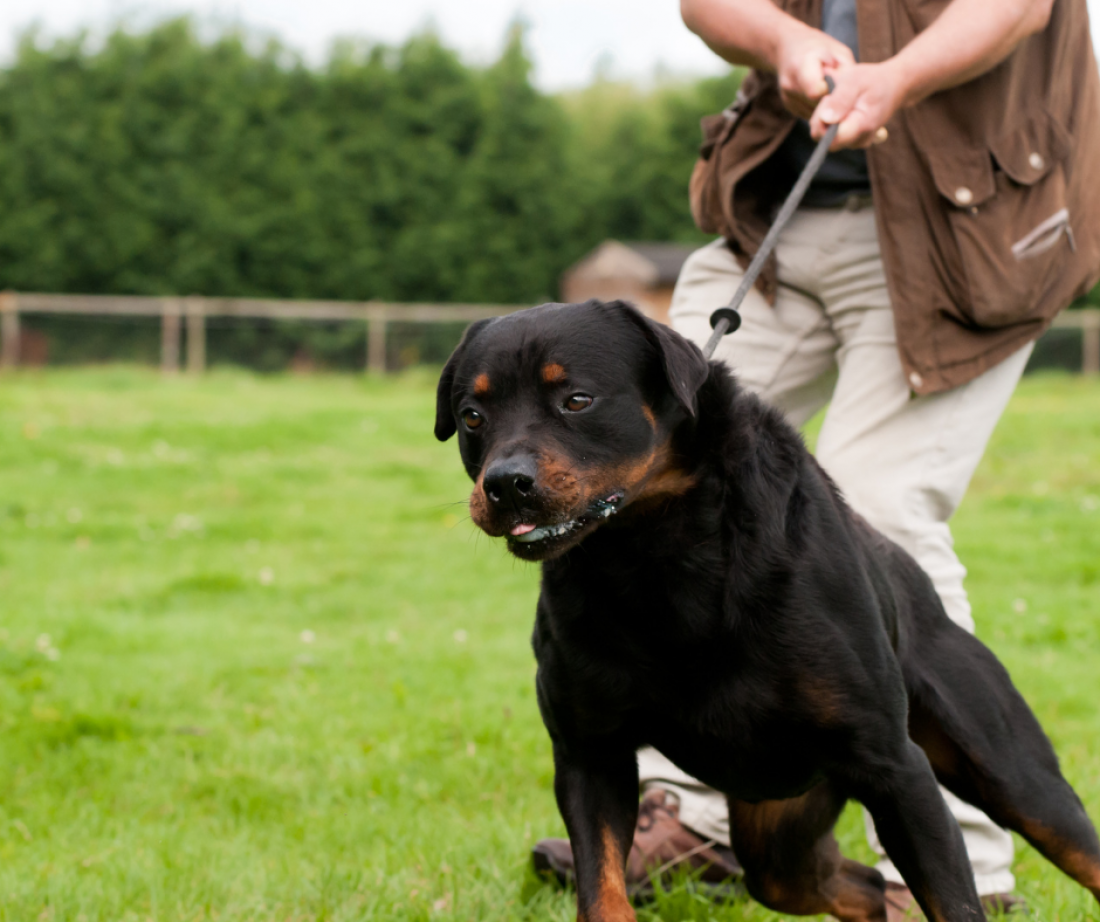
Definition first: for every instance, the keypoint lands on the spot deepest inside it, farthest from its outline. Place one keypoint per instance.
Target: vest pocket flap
(1029, 151)
(963, 176)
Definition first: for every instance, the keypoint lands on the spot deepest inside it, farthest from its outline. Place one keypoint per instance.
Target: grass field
(255, 664)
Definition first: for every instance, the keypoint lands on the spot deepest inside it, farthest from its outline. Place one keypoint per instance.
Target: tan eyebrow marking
(481, 385)
(553, 373)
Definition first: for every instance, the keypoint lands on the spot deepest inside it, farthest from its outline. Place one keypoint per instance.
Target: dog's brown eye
(578, 402)
(472, 419)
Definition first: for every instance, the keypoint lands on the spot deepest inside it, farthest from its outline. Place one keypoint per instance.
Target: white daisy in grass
(44, 645)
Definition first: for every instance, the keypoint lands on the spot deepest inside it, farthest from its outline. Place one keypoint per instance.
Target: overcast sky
(568, 38)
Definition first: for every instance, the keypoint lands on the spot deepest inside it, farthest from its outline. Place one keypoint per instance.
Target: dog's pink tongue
(522, 530)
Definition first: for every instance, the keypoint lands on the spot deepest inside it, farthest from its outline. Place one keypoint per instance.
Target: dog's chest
(735, 729)
(738, 733)
(652, 667)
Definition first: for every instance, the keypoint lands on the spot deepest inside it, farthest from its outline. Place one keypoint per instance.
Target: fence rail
(191, 313)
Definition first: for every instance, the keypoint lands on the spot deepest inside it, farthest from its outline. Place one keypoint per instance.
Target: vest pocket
(1045, 237)
(1012, 224)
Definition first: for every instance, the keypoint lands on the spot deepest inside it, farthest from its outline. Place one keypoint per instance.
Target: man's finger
(854, 131)
(811, 78)
(832, 109)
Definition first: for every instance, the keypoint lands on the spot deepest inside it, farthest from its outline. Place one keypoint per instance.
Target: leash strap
(727, 319)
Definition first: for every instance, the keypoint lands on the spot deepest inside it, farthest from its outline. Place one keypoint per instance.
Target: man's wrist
(905, 80)
(788, 36)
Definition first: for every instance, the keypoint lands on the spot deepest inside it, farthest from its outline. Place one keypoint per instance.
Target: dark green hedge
(158, 163)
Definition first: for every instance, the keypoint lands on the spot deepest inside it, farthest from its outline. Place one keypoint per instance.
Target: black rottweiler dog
(706, 590)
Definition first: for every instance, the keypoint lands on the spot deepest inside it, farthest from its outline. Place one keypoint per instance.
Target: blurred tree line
(159, 163)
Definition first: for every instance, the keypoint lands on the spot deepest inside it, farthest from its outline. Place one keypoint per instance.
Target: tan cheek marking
(664, 479)
(479, 509)
(558, 479)
(553, 373)
(481, 385)
(648, 414)
(655, 477)
(666, 484)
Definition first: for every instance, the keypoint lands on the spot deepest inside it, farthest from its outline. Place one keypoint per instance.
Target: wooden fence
(191, 313)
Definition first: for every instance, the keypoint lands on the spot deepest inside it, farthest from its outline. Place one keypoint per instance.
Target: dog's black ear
(445, 425)
(683, 362)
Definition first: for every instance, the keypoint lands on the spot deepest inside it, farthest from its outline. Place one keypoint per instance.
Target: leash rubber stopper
(728, 314)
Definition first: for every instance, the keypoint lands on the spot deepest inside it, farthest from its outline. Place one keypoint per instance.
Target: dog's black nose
(511, 480)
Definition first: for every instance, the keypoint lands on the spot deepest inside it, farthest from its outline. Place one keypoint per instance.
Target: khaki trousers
(902, 461)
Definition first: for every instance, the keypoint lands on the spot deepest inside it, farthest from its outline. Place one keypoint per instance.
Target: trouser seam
(788, 354)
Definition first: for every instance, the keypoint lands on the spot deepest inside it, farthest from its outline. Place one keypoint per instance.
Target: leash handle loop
(722, 320)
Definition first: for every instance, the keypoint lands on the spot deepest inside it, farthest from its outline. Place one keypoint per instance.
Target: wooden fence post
(170, 336)
(1090, 343)
(376, 340)
(9, 330)
(196, 335)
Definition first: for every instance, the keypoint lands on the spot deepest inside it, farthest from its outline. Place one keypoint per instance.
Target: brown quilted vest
(987, 195)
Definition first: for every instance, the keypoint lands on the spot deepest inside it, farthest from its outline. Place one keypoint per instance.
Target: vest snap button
(1036, 161)
(963, 195)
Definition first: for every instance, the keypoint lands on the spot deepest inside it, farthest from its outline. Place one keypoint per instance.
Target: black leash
(727, 319)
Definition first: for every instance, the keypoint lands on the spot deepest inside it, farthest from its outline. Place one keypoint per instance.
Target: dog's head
(565, 415)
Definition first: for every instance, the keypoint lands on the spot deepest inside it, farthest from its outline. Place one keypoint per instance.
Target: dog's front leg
(921, 836)
(597, 791)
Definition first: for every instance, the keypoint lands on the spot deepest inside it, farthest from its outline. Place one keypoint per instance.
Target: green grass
(255, 664)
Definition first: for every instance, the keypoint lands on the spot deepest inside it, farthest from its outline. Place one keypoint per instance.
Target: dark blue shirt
(845, 172)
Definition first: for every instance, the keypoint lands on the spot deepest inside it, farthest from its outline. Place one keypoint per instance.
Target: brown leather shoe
(901, 905)
(662, 847)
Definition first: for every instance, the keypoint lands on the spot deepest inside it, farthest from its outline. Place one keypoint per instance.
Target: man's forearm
(969, 38)
(759, 34)
(746, 32)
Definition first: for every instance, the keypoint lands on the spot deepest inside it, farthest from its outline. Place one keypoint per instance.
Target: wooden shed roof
(654, 264)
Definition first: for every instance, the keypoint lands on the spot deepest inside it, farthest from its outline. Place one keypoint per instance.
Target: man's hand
(969, 38)
(802, 61)
(865, 99)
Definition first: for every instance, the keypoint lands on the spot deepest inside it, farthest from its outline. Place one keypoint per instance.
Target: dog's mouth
(528, 537)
